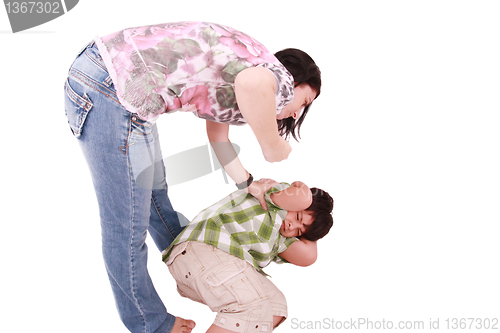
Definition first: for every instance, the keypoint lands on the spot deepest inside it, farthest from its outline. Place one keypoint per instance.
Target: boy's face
(296, 223)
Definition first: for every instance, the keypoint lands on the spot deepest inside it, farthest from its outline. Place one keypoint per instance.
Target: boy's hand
(259, 188)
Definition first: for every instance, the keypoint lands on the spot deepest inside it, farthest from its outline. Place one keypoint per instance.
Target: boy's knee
(277, 320)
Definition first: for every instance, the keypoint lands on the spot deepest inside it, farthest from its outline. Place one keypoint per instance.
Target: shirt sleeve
(283, 244)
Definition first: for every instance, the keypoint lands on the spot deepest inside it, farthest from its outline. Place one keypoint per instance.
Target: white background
(405, 137)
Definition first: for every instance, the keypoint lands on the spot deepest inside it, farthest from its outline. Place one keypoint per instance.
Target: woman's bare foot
(182, 325)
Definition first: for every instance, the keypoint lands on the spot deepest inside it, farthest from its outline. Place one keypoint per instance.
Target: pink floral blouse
(186, 66)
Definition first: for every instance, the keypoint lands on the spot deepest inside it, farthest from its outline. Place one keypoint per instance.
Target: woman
(119, 85)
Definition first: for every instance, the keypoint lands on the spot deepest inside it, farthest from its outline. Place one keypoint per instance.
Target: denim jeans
(125, 161)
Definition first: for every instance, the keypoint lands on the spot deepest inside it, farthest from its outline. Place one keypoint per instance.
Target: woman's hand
(295, 198)
(277, 153)
(259, 188)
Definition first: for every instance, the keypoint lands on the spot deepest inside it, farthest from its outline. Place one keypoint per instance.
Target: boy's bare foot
(182, 325)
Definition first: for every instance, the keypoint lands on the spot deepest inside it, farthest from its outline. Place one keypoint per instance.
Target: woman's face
(302, 97)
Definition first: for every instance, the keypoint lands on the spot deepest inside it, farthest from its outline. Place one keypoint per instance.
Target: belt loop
(108, 82)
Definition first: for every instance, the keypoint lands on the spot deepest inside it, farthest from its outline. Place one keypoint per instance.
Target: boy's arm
(296, 198)
(301, 253)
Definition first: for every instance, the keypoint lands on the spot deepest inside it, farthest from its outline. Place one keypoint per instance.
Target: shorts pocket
(187, 292)
(77, 108)
(225, 272)
(231, 284)
(184, 266)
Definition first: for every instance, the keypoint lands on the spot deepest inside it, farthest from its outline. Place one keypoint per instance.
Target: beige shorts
(244, 299)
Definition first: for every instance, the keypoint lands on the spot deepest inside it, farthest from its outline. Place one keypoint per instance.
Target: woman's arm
(296, 198)
(255, 89)
(219, 139)
(301, 253)
(218, 136)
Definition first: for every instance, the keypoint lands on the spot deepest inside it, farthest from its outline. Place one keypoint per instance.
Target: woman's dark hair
(304, 71)
(321, 207)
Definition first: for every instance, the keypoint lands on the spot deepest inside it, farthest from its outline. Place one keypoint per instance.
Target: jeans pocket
(140, 128)
(77, 107)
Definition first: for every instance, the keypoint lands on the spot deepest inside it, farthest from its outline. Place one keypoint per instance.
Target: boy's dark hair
(322, 206)
(304, 71)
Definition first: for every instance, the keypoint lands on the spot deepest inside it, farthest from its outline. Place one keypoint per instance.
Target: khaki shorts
(244, 299)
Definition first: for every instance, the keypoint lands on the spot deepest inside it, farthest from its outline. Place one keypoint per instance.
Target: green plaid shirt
(239, 226)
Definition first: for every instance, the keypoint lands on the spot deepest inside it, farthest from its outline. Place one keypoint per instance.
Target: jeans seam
(160, 215)
(124, 149)
(132, 251)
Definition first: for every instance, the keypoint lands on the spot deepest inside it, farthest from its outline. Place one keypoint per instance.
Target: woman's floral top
(186, 66)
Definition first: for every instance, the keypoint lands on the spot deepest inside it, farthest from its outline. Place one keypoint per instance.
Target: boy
(217, 259)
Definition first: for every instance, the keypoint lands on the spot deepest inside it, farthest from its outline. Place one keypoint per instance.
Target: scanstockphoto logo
(185, 166)
(24, 15)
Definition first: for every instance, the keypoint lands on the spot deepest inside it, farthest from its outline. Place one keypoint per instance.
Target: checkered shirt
(239, 226)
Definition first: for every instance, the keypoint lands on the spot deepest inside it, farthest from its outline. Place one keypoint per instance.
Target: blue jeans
(125, 161)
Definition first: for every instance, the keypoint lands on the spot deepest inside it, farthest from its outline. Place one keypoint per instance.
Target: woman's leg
(117, 147)
(164, 223)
